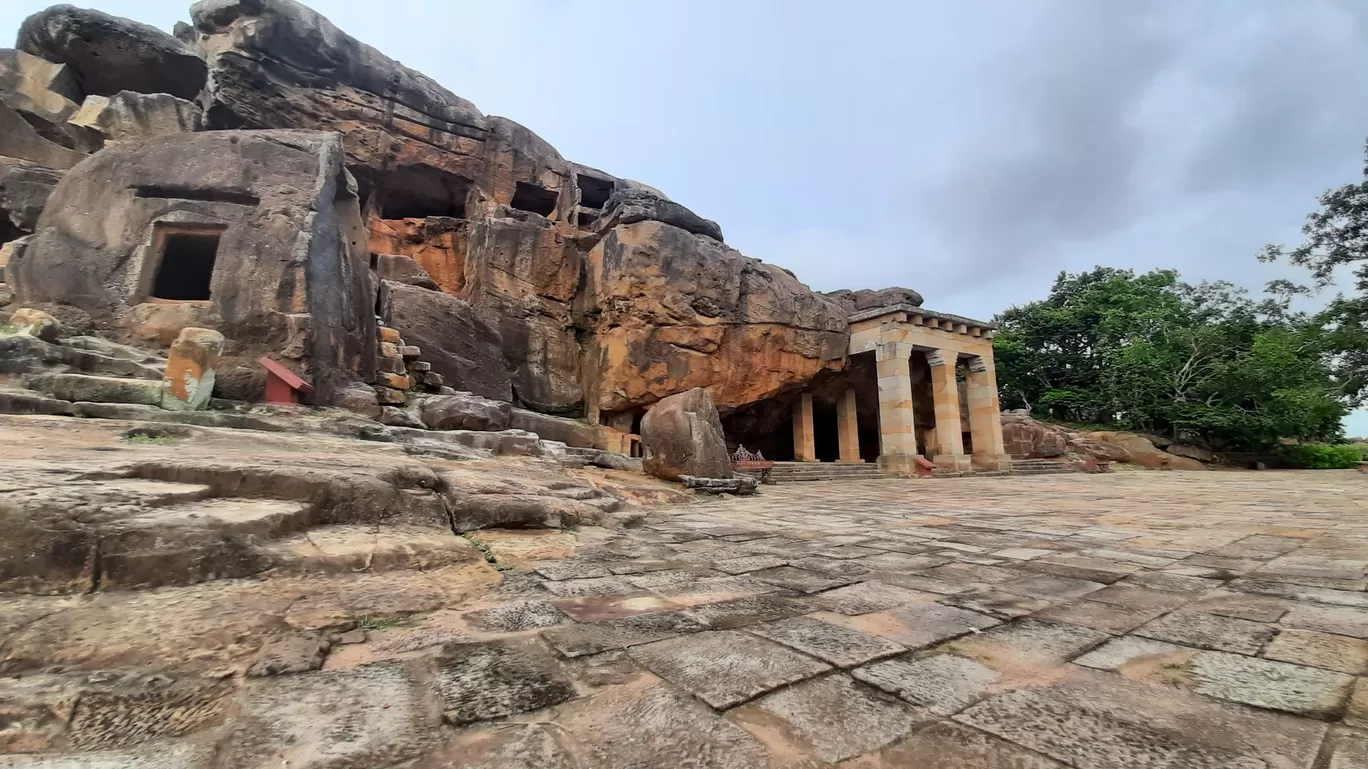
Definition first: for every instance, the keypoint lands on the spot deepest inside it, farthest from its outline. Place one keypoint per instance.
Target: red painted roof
(287, 376)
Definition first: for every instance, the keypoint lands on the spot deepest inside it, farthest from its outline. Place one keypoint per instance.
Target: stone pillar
(949, 452)
(804, 436)
(847, 427)
(190, 367)
(985, 419)
(897, 428)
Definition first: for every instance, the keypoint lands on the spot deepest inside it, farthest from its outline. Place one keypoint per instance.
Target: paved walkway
(1127, 621)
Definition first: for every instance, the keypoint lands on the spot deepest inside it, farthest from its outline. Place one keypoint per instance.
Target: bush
(1324, 456)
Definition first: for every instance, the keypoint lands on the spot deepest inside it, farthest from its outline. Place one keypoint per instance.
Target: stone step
(791, 472)
(23, 354)
(349, 548)
(98, 389)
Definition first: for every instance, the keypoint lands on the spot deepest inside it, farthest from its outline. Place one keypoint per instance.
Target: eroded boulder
(108, 54)
(1141, 451)
(129, 116)
(638, 204)
(1026, 438)
(682, 435)
(465, 411)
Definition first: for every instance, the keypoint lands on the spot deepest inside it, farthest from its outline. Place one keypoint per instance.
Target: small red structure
(752, 463)
(282, 384)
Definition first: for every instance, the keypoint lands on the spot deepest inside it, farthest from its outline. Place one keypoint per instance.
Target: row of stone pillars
(897, 416)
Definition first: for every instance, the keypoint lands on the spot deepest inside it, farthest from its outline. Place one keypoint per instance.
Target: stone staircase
(400, 369)
(1044, 467)
(791, 472)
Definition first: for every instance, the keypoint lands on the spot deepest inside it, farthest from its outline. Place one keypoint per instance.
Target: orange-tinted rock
(190, 369)
(678, 310)
(1143, 452)
(1028, 439)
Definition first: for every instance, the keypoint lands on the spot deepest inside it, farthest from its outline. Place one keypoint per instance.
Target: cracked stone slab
(1321, 650)
(803, 581)
(1099, 616)
(570, 569)
(1258, 608)
(477, 682)
(633, 728)
(1046, 586)
(510, 746)
(1128, 597)
(370, 715)
(162, 756)
(1350, 750)
(749, 563)
(726, 615)
(998, 603)
(606, 607)
(1119, 652)
(725, 667)
(514, 617)
(832, 718)
(573, 588)
(830, 566)
(942, 683)
(594, 637)
(866, 597)
(1029, 643)
(1210, 631)
(1328, 619)
(901, 562)
(836, 644)
(917, 626)
(1093, 719)
(1262, 683)
(1172, 582)
(947, 745)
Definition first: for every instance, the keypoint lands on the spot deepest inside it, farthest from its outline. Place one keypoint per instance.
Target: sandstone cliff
(577, 292)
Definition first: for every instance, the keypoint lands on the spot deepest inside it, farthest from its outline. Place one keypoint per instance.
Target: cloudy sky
(970, 149)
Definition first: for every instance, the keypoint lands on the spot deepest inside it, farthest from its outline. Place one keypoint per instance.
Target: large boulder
(871, 299)
(1026, 438)
(46, 94)
(465, 411)
(1142, 452)
(464, 349)
(108, 54)
(19, 139)
(127, 115)
(674, 310)
(682, 435)
(637, 204)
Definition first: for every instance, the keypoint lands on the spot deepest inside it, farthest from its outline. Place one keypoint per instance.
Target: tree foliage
(1149, 352)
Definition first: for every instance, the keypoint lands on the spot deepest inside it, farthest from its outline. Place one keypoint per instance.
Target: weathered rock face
(253, 234)
(24, 190)
(1142, 452)
(462, 347)
(108, 54)
(682, 435)
(677, 310)
(45, 93)
(1028, 439)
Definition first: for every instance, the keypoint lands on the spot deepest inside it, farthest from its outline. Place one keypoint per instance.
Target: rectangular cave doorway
(826, 438)
(185, 264)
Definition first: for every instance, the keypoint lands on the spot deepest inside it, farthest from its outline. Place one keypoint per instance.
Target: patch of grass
(488, 554)
(147, 439)
(382, 623)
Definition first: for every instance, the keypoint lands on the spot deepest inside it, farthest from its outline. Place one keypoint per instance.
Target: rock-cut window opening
(594, 192)
(537, 200)
(418, 192)
(186, 267)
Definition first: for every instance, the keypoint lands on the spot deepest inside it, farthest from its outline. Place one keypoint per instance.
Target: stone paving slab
(829, 642)
(942, 683)
(726, 667)
(1298, 689)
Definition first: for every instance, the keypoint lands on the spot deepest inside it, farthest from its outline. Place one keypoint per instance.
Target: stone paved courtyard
(1124, 621)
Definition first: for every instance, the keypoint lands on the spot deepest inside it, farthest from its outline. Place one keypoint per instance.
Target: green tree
(1149, 352)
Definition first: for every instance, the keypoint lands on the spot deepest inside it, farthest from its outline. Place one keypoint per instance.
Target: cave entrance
(419, 192)
(534, 199)
(826, 437)
(594, 192)
(185, 265)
